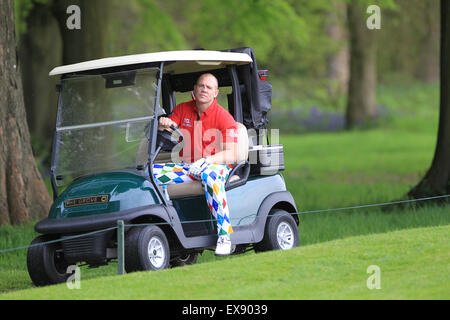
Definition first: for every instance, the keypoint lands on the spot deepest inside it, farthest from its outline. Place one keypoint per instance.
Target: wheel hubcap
(156, 252)
(59, 263)
(285, 236)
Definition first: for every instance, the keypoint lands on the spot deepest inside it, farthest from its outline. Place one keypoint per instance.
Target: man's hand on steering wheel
(165, 124)
(169, 135)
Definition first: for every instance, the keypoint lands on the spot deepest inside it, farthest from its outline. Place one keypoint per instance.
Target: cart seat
(190, 189)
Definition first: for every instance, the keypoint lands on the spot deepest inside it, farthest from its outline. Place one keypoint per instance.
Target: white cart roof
(185, 61)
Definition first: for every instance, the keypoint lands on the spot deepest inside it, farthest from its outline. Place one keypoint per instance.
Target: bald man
(210, 147)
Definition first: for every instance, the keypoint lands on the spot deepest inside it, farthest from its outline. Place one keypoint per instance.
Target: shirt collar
(210, 108)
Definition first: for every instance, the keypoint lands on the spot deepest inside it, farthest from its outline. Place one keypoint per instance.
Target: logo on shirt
(187, 122)
(232, 133)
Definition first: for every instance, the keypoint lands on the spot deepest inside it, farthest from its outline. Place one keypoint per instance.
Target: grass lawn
(413, 264)
(332, 170)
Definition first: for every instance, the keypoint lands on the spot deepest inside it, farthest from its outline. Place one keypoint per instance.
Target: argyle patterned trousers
(213, 179)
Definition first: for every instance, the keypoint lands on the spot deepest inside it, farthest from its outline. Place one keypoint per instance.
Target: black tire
(184, 260)
(45, 264)
(146, 248)
(281, 232)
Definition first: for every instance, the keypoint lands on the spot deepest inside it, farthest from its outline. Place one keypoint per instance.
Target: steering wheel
(168, 140)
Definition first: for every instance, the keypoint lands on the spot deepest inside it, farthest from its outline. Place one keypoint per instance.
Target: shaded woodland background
(320, 55)
(304, 44)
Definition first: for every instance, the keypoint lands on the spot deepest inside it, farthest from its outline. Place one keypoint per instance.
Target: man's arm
(227, 155)
(229, 146)
(173, 120)
(165, 123)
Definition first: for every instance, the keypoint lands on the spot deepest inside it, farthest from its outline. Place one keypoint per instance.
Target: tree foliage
(21, 10)
(410, 37)
(144, 26)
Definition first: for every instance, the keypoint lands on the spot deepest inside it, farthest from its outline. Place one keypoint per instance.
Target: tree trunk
(428, 68)
(437, 178)
(338, 60)
(362, 82)
(89, 42)
(23, 195)
(40, 50)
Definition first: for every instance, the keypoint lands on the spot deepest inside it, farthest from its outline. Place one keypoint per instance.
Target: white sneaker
(223, 247)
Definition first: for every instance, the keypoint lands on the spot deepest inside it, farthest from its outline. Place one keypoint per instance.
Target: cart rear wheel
(46, 265)
(281, 232)
(146, 248)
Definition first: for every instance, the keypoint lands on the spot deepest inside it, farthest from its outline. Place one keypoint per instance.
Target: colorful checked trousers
(213, 180)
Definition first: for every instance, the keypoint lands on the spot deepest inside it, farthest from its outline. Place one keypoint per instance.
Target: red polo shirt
(203, 135)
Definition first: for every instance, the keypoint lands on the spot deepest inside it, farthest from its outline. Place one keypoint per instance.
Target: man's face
(206, 89)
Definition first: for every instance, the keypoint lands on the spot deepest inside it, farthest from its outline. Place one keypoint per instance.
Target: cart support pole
(120, 247)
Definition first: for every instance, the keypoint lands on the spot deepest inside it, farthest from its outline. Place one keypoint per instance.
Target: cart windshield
(102, 120)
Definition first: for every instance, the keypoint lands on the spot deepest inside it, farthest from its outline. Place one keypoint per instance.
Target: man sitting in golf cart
(211, 148)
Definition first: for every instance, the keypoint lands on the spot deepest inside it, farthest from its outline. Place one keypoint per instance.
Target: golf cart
(106, 141)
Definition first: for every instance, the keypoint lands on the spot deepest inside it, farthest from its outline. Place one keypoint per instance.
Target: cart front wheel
(146, 248)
